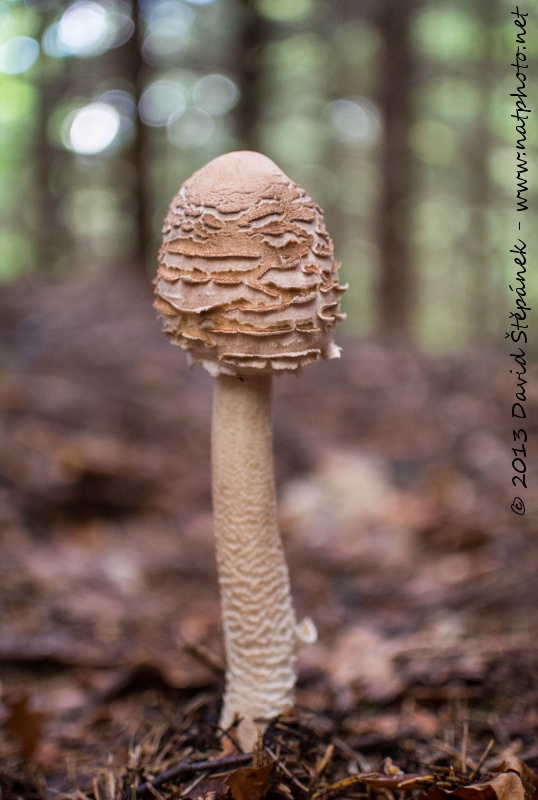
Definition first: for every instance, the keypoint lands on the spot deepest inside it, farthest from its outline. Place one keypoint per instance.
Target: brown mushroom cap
(247, 282)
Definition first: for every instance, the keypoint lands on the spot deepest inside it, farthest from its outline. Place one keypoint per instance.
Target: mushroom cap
(247, 282)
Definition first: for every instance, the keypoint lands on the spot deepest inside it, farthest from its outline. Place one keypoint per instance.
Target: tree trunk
(131, 66)
(51, 237)
(480, 284)
(253, 36)
(396, 289)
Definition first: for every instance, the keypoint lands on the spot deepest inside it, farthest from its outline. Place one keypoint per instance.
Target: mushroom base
(258, 618)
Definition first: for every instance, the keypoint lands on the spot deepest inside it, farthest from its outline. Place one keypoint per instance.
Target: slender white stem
(258, 617)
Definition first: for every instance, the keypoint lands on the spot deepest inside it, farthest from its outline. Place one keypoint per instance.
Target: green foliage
(446, 32)
(435, 143)
(18, 106)
(452, 100)
(284, 11)
(16, 254)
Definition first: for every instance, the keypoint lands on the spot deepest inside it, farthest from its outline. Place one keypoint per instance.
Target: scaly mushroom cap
(247, 282)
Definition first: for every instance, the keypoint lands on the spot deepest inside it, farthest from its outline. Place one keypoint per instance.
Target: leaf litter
(394, 475)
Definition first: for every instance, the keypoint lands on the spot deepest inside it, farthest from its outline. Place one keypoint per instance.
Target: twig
(204, 656)
(154, 793)
(464, 743)
(283, 768)
(226, 732)
(453, 753)
(325, 759)
(308, 769)
(190, 767)
(411, 783)
(346, 783)
(193, 784)
(481, 760)
(346, 750)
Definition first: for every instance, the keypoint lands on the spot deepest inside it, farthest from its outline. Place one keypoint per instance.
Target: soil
(394, 471)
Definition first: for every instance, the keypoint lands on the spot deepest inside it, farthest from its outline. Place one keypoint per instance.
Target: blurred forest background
(395, 117)
(394, 464)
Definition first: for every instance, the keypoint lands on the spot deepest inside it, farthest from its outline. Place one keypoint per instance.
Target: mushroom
(247, 285)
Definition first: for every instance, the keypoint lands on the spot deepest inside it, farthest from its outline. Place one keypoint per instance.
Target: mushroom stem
(258, 617)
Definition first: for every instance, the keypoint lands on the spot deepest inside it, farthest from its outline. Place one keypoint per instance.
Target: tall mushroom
(247, 285)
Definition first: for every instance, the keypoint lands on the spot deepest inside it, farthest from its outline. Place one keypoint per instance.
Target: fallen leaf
(136, 678)
(24, 724)
(363, 659)
(529, 778)
(506, 786)
(249, 783)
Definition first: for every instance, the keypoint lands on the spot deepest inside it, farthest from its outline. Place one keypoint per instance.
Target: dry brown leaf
(506, 786)
(24, 724)
(529, 778)
(363, 658)
(249, 783)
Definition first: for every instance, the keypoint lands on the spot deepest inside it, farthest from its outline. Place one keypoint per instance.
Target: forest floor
(394, 476)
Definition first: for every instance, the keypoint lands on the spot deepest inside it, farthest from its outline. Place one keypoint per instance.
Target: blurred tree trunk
(51, 236)
(396, 289)
(481, 292)
(127, 172)
(130, 65)
(252, 37)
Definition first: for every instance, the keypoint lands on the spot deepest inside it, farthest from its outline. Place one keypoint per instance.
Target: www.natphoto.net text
(522, 110)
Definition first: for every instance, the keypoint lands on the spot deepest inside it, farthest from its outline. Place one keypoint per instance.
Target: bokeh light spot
(162, 46)
(167, 24)
(18, 54)
(215, 94)
(355, 120)
(433, 142)
(168, 13)
(122, 101)
(91, 129)
(284, 10)
(159, 101)
(84, 29)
